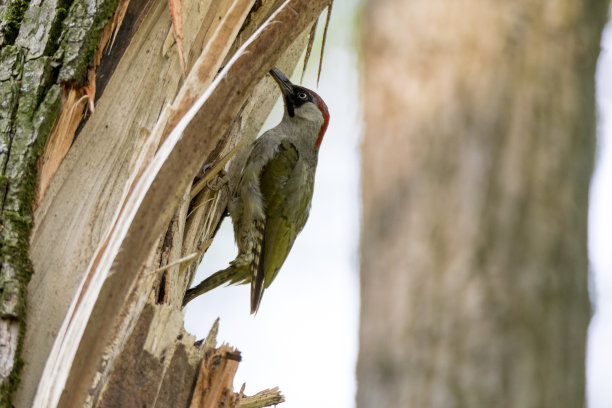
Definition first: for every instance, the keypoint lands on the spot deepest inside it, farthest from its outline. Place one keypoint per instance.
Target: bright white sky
(599, 360)
(306, 331)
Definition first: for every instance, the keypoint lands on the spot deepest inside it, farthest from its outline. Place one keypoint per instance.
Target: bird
(271, 202)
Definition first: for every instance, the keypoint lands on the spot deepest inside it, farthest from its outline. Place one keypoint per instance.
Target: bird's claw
(206, 167)
(202, 172)
(221, 181)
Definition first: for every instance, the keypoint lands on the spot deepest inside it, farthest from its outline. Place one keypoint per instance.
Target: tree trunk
(476, 165)
(117, 232)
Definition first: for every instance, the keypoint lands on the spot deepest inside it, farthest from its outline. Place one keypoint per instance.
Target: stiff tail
(233, 274)
(257, 270)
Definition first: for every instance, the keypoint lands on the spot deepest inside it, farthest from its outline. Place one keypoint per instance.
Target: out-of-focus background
(304, 338)
(599, 354)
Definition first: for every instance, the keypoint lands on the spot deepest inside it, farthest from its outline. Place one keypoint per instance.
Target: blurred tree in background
(480, 136)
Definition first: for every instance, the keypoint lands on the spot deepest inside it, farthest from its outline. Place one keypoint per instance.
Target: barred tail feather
(257, 271)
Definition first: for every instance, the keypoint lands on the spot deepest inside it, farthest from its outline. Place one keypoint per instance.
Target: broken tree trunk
(115, 221)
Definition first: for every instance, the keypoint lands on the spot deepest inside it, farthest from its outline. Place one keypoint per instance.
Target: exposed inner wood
(103, 171)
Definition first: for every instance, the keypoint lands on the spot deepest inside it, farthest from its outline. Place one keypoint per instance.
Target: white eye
(302, 95)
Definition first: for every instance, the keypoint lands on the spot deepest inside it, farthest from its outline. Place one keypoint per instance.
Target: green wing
(286, 195)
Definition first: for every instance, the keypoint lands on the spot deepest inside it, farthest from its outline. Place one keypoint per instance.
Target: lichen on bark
(36, 38)
(10, 19)
(80, 37)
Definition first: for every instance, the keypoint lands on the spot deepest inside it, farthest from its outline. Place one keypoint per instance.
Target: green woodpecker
(270, 204)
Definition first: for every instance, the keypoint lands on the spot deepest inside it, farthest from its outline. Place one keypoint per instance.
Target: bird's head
(302, 103)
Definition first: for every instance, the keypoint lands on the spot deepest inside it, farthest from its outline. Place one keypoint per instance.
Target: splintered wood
(264, 398)
(133, 214)
(75, 97)
(214, 384)
(59, 141)
(214, 389)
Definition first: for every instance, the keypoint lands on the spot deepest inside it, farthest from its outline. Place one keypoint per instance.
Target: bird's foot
(221, 181)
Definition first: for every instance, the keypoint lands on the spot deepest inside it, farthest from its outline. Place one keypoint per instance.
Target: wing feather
(286, 198)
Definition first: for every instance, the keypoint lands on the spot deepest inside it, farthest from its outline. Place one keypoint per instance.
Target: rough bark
(480, 132)
(51, 55)
(41, 45)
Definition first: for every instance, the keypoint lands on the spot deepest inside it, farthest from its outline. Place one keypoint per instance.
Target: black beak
(283, 82)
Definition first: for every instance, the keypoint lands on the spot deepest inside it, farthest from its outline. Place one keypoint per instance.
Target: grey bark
(30, 103)
(480, 132)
